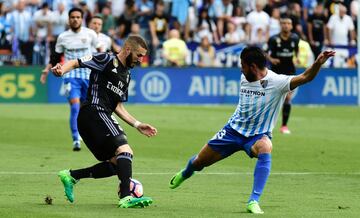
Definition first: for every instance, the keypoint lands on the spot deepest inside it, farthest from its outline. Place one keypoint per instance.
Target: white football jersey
(260, 103)
(104, 42)
(77, 45)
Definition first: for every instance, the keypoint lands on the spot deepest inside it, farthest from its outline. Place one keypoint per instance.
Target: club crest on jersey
(83, 40)
(114, 70)
(115, 62)
(264, 83)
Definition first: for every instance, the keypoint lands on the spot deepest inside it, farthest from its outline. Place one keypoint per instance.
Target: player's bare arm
(144, 128)
(310, 73)
(60, 70)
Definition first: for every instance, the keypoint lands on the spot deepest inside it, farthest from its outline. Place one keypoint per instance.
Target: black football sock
(100, 170)
(286, 113)
(124, 172)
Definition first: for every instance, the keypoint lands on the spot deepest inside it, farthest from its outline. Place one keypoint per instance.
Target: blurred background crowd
(179, 32)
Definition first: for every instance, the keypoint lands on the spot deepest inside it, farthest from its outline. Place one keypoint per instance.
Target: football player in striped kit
(74, 43)
(262, 93)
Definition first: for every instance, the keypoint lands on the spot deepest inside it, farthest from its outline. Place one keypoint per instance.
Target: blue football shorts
(75, 88)
(228, 141)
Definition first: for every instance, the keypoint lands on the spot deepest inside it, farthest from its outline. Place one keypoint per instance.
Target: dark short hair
(253, 55)
(97, 16)
(76, 9)
(134, 40)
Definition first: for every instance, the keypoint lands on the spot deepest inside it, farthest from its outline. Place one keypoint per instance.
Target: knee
(263, 145)
(124, 149)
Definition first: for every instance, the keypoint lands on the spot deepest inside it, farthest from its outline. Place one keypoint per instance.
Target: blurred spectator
(224, 12)
(87, 13)
(59, 24)
(234, 36)
(117, 8)
(108, 21)
(305, 56)
(175, 50)
(21, 23)
(145, 10)
(127, 18)
(339, 27)
(43, 19)
(179, 9)
(238, 18)
(354, 9)
(274, 25)
(317, 29)
(295, 16)
(206, 27)
(332, 7)
(309, 7)
(258, 22)
(205, 53)
(5, 30)
(158, 23)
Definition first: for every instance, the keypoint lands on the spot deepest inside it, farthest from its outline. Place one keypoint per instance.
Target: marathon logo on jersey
(116, 89)
(264, 83)
(251, 92)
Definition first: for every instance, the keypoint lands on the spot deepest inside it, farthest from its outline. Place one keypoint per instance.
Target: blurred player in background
(106, 43)
(250, 128)
(281, 48)
(108, 89)
(74, 43)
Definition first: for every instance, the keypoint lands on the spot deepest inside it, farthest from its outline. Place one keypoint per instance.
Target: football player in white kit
(262, 93)
(74, 43)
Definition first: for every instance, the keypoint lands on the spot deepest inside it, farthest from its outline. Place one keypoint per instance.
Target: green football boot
(254, 207)
(132, 202)
(68, 181)
(176, 180)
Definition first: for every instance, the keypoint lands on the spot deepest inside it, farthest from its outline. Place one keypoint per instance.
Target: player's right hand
(57, 71)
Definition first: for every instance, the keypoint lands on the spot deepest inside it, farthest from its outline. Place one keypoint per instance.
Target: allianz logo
(155, 86)
(340, 86)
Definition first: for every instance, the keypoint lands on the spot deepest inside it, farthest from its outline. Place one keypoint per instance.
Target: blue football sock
(261, 174)
(73, 121)
(190, 168)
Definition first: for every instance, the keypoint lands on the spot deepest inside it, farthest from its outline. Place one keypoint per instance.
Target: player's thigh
(72, 88)
(101, 134)
(224, 142)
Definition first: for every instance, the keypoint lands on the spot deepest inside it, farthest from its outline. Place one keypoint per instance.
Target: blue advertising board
(221, 86)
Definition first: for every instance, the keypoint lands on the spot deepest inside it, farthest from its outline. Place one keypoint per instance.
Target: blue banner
(221, 86)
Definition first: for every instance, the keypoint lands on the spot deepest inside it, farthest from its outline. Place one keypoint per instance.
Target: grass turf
(315, 171)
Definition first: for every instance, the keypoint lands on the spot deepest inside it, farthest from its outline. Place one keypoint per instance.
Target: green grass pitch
(315, 171)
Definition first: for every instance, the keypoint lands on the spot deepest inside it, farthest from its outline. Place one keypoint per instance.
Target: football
(136, 188)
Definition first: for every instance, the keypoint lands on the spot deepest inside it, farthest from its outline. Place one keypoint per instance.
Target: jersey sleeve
(59, 47)
(94, 40)
(96, 61)
(283, 82)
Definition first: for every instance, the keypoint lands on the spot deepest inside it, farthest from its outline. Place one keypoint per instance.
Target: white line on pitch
(210, 173)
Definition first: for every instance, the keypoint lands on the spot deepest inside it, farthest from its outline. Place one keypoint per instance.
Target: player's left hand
(324, 56)
(147, 129)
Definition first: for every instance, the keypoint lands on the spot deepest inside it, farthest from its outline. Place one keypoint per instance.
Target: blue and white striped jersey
(260, 103)
(77, 45)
